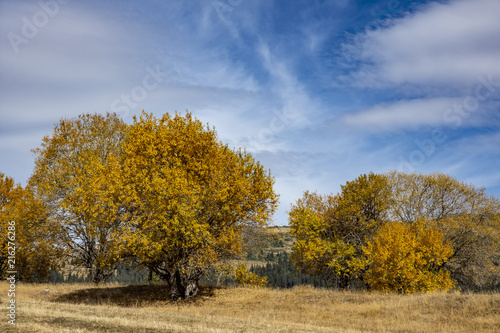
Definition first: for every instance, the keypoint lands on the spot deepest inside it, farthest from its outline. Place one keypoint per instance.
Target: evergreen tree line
(281, 273)
(279, 270)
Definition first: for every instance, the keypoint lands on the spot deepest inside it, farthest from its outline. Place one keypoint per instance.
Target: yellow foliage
(77, 176)
(28, 234)
(10, 195)
(330, 230)
(408, 258)
(188, 196)
(468, 218)
(246, 278)
(333, 233)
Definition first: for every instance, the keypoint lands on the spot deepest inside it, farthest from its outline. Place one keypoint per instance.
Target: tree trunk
(150, 276)
(182, 288)
(191, 289)
(344, 282)
(96, 275)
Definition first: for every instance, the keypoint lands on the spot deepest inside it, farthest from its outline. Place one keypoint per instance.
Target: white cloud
(73, 46)
(448, 43)
(198, 67)
(91, 54)
(405, 114)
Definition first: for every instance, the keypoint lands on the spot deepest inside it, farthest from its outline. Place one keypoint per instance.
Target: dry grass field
(115, 308)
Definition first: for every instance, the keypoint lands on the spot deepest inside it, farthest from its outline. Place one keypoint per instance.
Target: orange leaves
(10, 195)
(164, 190)
(362, 207)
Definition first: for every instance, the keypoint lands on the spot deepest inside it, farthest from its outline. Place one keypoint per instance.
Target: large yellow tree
(188, 197)
(77, 177)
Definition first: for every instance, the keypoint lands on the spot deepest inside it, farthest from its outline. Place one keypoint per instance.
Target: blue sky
(318, 91)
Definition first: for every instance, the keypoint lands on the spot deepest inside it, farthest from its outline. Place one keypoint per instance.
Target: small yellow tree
(39, 247)
(317, 250)
(408, 258)
(246, 278)
(332, 230)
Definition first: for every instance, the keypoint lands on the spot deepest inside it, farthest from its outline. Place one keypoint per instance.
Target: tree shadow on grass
(129, 296)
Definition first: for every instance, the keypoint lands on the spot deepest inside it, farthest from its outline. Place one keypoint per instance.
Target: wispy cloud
(268, 76)
(431, 81)
(402, 115)
(447, 43)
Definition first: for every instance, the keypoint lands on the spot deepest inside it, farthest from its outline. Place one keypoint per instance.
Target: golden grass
(115, 308)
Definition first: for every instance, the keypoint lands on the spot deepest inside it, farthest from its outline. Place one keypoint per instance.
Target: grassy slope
(113, 308)
(283, 234)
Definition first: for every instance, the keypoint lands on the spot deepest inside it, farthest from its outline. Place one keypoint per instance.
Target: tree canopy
(77, 177)
(188, 196)
(10, 194)
(408, 258)
(331, 229)
(467, 216)
(168, 195)
(30, 246)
